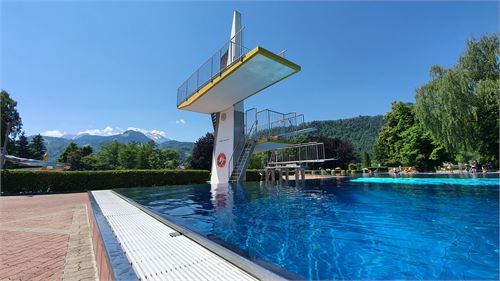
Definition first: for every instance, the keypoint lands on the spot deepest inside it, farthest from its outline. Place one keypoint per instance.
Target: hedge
(23, 181)
(255, 175)
(16, 181)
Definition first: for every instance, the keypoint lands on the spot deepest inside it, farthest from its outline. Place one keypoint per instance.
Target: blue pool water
(367, 228)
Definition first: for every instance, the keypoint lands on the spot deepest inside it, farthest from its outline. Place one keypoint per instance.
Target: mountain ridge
(56, 145)
(361, 131)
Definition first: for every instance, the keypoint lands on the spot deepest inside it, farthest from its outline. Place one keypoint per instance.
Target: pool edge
(251, 267)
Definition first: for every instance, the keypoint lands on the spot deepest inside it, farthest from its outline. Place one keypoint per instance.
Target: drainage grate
(175, 234)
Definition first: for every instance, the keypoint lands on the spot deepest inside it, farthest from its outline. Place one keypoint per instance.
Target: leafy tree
(86, 150)
(72, 155)
(22, 147)
(11, 123)
(75, 156)
(488, 116)
(201, 157)
(366, 160)
(361, 131)
(109, 155)
(117, 155)
(257, 161)
(63, 157)
(389, 142)
(127, 156)
(460, 105)
(169, 158)
(402, 141)
(37, 147)
(94, 162)
(336, 148)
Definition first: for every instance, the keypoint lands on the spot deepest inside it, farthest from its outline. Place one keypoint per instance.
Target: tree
(86, 150)
(257, 161)
(488, 131)
(361, 131)
(388, 145)
(403, 141)
(127, 156)
(366, 160)
(76, 157)
(109, 155)
(72, 155)
(11, 123)
(460, 105)
(63, 157)
(169, 159)
(201, 157)
(22, 146)
(342, 150)
(37, 147)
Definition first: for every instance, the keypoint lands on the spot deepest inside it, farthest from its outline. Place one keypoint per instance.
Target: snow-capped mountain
(157, 137)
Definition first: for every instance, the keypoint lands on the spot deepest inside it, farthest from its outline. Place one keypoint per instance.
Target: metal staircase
(238, 170)
(267, 125)
(241, 165)
(215, 120)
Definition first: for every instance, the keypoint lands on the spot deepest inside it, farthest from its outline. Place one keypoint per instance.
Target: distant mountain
(56, 145)
(156, 137)
(361, 131)
(184, 148)
(69, 136)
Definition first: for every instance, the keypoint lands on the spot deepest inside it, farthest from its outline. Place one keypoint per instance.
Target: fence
(222, 59)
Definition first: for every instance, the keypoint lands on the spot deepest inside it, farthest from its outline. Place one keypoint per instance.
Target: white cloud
(153, 133)
(161, 133)
(144, 131)
(53, 133)
(108, 131)
(180, 121)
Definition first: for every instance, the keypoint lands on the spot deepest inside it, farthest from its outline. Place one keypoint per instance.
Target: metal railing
(296, 154)
(249, 136)
(271, 123)
(227, 55)
(264, 124)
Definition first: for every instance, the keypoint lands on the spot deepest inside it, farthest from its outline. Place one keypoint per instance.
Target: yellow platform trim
(257, 50)
(272, 139)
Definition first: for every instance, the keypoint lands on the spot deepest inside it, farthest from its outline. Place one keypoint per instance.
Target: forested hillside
(56, 145)
(361, 131)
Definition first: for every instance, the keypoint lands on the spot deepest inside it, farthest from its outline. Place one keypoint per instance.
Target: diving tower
(220, 86)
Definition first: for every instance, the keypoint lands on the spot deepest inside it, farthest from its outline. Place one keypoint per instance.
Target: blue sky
(85, 66)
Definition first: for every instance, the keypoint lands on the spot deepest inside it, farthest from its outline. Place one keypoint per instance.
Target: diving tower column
(229, 124)
(229, 129)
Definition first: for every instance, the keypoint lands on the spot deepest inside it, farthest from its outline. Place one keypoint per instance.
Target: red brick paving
(36, 233)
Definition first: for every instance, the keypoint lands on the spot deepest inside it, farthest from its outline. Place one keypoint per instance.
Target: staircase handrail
(242, 143)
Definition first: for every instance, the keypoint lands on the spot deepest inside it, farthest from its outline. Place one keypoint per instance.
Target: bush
(255, 175)
(16, 181)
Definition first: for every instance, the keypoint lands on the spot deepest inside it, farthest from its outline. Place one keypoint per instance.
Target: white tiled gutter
(158, 252)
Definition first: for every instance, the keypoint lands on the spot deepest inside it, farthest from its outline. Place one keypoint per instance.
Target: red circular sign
(221, 160)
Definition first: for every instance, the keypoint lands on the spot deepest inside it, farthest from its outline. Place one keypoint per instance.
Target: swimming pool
(376, 229)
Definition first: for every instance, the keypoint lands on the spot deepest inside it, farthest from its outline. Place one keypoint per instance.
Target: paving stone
(46, 237)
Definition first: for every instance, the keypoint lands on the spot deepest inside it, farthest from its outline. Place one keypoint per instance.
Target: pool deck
(46, 237)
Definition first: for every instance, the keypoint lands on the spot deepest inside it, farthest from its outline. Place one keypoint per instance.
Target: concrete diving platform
(250, 74)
